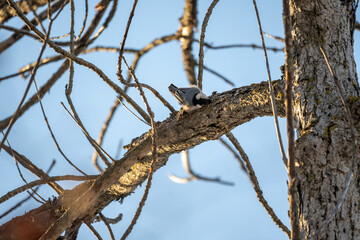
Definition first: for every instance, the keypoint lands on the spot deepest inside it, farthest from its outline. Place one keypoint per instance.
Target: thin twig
(55, 58)
(254, 46)
(132, 113)
(42, 91)
(139, 54)
(46, 180)
(55, 76)
(80, 61)
(17, 36)
(104, 219)
(93, 230)
(84, 22)
(289, 73)
(271, 89)
(59, 11)
(33, 73)
(108, 49)
(218, 75)
(256, 185)
(13, 75)
(53, 135)
(106, 22)
(156, 94)
(59, 37)
(27, 198)
(94, 158)
(194, 176)
(71, 67)
(201, 42)
(110, 220)
(180, 180)
(22, 176)
(43, 62)
(154, 157)
(236, 155)
(280, 39)
(27, 164)
(31, 7)
(78, 121)
(20, 31)
(354, 135)
(122, 45)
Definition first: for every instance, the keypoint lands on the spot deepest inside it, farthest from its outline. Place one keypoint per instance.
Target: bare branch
(122, 45)
(34, 99)
(156, 94)
(76, 118)
(173, 136)
(254, 46)
(55, 76)
(7, 13)
(201, 42)
(94, 158)
(17, 36)
(289, 73)
(256, 185)
(93, 230)
(153, 153)
(241, 162)
(81, 62)
(188, 22)
(27, 198)
(192, 175)
(22, 177)
(357, 25)
(33, 73)
(52, 134)
(280, 39)
(105, 220)
(110, 220)
(219, 75)
(71, 67)
(139, 54)
(27, 164)
(33, 10)
(84, 22)
(272, 97)
(46, 180)
(142, 120)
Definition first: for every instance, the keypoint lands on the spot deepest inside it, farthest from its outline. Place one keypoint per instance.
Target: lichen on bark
(323, 149)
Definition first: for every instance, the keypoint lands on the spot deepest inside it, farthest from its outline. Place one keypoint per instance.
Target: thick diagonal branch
(227, 110)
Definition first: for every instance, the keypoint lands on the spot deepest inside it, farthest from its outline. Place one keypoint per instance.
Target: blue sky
(197, 210)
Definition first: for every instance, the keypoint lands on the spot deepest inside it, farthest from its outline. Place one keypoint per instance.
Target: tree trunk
(324, 145)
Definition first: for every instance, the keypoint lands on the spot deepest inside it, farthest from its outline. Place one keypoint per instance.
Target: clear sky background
(197, 210)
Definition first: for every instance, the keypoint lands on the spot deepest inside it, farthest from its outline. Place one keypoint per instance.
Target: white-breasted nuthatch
(190, 98)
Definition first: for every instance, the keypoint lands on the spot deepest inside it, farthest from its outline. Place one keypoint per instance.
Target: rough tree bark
(227, 110)
(324, 146)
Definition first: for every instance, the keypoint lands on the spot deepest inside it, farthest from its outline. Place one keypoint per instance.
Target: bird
(190, 98)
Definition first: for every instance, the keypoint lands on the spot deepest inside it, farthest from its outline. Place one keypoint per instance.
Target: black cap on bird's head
(190, 98)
